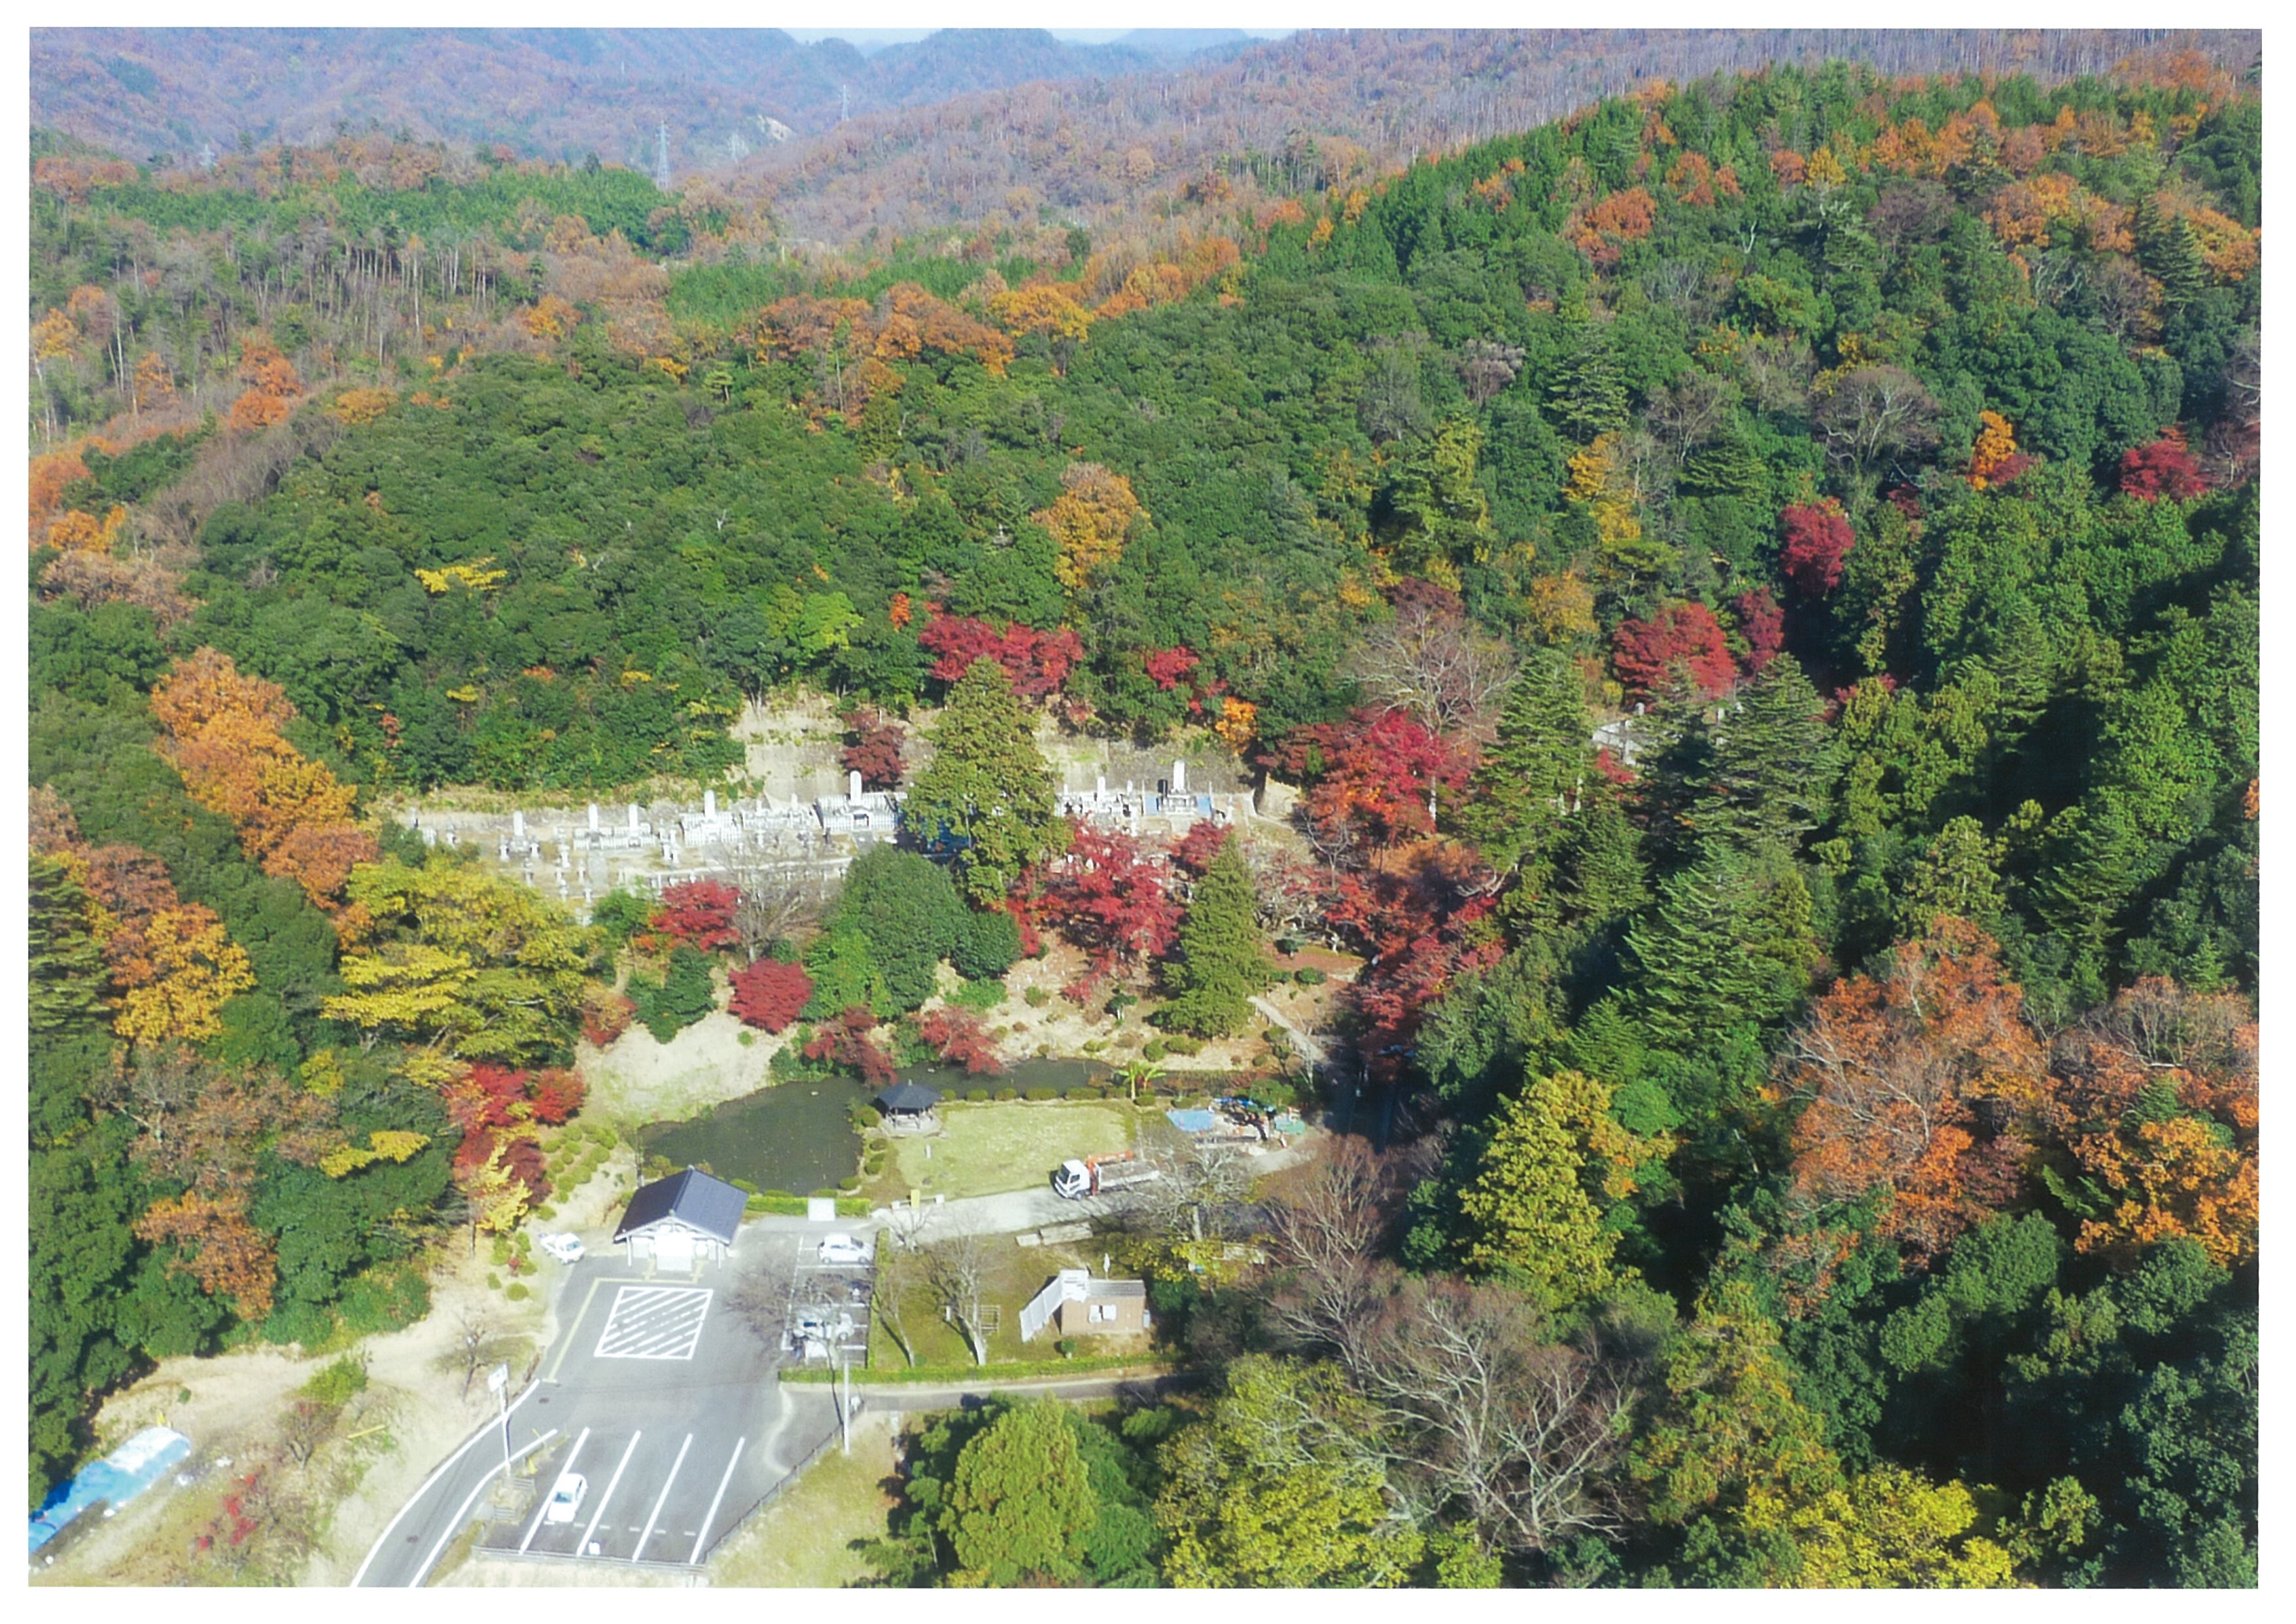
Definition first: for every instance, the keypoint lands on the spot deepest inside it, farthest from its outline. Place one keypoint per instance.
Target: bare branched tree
(1195, 1186)
(1690, 410)
(898, 1271)
(775, 901)
(477, 1343)
(1431, 660)
(1486, 1419)
(1486, 366)
(761, 1303)
(956, 1269)
(1873, 413)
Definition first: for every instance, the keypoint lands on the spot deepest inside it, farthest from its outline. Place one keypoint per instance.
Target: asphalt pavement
(661, 1394)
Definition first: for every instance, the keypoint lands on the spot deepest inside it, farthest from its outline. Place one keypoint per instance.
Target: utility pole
(661, 156)
(845, 1404)
(844, 103)
(498, 1384)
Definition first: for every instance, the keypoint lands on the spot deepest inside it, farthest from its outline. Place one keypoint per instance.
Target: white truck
(1099, 1175)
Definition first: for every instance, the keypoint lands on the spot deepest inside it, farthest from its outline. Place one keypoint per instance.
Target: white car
(843, 1249)
(566, 1499)
(565, 1248)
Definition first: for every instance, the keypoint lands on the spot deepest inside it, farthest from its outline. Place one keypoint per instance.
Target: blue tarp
(1193, 1121)
(117, 1478)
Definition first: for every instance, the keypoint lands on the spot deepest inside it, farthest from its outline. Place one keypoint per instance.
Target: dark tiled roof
(693, 1197)
(908, 1097)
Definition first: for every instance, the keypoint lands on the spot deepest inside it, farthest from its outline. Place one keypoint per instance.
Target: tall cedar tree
(1220, 963)
(987, 789)
(1772, 765)
(1533, 773)
(1021, 1502)
(905, 908)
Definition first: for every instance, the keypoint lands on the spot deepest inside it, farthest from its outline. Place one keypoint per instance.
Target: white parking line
(543, 1510)
(695, 1559)
(655, 1323)
(583, 1549)
(463, 1510)
(655, 1515)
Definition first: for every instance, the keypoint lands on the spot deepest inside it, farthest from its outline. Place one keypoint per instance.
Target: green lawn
(801, 1540)
(1015, 1274)
(984, 1149)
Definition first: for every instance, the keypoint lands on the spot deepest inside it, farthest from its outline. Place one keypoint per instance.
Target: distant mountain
(1323, 108)
(551, 92)
(1185, 42)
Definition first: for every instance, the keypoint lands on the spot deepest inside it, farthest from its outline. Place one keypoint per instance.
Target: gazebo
(912, 1101)
(908, 1108)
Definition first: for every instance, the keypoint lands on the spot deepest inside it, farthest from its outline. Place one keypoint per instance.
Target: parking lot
(662, 1394)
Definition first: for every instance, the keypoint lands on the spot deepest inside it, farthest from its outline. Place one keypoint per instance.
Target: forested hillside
(1843, 1063)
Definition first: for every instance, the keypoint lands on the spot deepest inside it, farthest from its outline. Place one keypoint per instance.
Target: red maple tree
(958, 1037)
(769, 994)
(1107, 894)
(845, 1041)
(1817, 536)
(1370, 777)
(1764, 625)
(699, 913)
(2165, 468)
(875, 749)
(1037, 661)
(1646, 652)
(1414, 913)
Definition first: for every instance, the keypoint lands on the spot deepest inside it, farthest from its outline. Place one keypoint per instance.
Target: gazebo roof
(908, 1097)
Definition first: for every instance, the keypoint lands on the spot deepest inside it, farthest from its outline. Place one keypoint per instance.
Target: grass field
(802, 1541)
(984, 1149)
(1014, 1275)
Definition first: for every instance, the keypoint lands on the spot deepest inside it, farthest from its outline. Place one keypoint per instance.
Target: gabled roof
(693, 1197)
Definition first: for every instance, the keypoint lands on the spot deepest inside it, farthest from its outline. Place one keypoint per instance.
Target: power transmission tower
(844, 103)
(661, 156)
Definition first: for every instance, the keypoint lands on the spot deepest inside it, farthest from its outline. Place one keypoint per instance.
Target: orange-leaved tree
(1918, 1087)
(292, 814)
(2155, 1109)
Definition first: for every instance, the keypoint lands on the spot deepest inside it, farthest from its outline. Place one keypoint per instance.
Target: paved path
(1308, 1044)
(889, 1396)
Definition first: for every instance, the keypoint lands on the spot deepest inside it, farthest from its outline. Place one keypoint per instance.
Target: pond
(799, 1135)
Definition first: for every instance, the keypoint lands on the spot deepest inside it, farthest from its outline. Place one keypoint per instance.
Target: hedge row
(1005, 1370)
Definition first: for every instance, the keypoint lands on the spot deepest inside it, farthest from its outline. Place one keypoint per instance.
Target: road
(659, 1395)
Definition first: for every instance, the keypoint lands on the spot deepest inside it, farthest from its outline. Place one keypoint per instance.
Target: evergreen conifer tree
(1586, 395)
(1020, 1501)
(988, 788)
(1533, 772)
(1772, 768)
(66, 968)
(1221, 964)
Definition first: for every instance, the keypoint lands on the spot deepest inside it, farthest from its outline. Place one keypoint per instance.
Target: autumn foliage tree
(1817, 537)
(1036, 662)
(2165, 468)
(699, 913)
(1090, 521)
(1371, 778)
(1107, 894)
(1920, 1087)
(873, 748)
(769, 995)
(272, 385)
(2155, 1106)
(292, 814)
(1646, 652)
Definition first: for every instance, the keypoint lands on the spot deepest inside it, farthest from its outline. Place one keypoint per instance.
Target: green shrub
(336, 1382)
(517, 1291)
(867, 1116)
(978, 995)
(1174, 1044)
(745, 1037)
(743, 1184)
(1039, 1095)
(493, 1281)
(1096, 1045)
(787, 1195)
(851, 1186)
(1037, 997)
(1008, 1094)
(986, 944)
(498, 1253)
(1066, 1347)
(1155, 1048)
(1276, 978)
(824, 1193)
(605, 1136)
(977, 1096)
(1309, 976)
(546, 1213)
